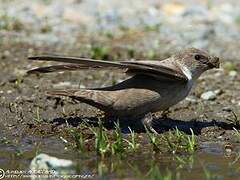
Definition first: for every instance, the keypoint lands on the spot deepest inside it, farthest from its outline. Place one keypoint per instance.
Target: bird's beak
(213, 62)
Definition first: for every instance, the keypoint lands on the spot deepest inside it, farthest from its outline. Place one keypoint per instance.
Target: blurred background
(150, 27)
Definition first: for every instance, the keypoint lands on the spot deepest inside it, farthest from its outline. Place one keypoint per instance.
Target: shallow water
(210, 161)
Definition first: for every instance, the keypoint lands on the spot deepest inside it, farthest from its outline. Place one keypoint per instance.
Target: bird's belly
(135, 102)
(172, 97)
(168, 101)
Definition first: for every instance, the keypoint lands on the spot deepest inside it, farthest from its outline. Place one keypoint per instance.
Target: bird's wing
(68, 67)
(155, 70)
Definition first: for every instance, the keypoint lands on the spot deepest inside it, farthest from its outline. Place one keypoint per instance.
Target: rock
(51, 166)
(227, 109)
(191, 99)
(6, 53)
(62, 85)
(232, 73)
(173, 8)
(218, 91)
(19, 72)
(195, 11)
(67, 84)
(9, 91)
(209, 95)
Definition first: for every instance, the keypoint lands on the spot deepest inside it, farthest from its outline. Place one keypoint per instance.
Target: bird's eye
(197, 57)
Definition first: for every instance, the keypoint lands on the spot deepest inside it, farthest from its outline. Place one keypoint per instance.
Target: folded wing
(133, 67)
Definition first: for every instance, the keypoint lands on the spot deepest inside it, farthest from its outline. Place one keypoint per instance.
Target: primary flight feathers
(135, 67)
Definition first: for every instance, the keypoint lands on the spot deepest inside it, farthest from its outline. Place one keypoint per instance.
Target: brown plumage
(153, 85)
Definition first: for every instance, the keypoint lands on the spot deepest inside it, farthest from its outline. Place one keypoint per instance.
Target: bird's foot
(165, 113)
(100, 114)
(148, 122)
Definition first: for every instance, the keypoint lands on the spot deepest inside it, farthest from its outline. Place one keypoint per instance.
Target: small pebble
(232, 73)
(209, 95)
(67, 84)
(218, 91)
(46, 163)
(192, 99)
(9, 91)
(62, 85)
(227, 109)
(6, 53)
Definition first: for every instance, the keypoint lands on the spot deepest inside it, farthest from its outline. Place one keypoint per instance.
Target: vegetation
(10, 23)
(114, 143)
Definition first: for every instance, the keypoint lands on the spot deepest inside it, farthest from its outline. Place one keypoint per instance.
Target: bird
(152, 86)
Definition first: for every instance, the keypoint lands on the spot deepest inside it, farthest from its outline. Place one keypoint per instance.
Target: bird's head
(193, 62)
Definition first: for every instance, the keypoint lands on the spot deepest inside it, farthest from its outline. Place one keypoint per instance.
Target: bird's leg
(100, 113)
(165, 113)
(147, 122)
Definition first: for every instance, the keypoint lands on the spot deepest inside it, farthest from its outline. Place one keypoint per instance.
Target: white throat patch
(187, 72)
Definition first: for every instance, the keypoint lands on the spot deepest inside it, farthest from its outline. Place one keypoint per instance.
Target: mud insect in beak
(213, 62)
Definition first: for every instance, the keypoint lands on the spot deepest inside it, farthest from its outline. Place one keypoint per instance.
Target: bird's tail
(95, 98)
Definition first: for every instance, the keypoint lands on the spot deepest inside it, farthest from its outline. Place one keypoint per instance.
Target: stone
(51, 166)
(209, 95)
